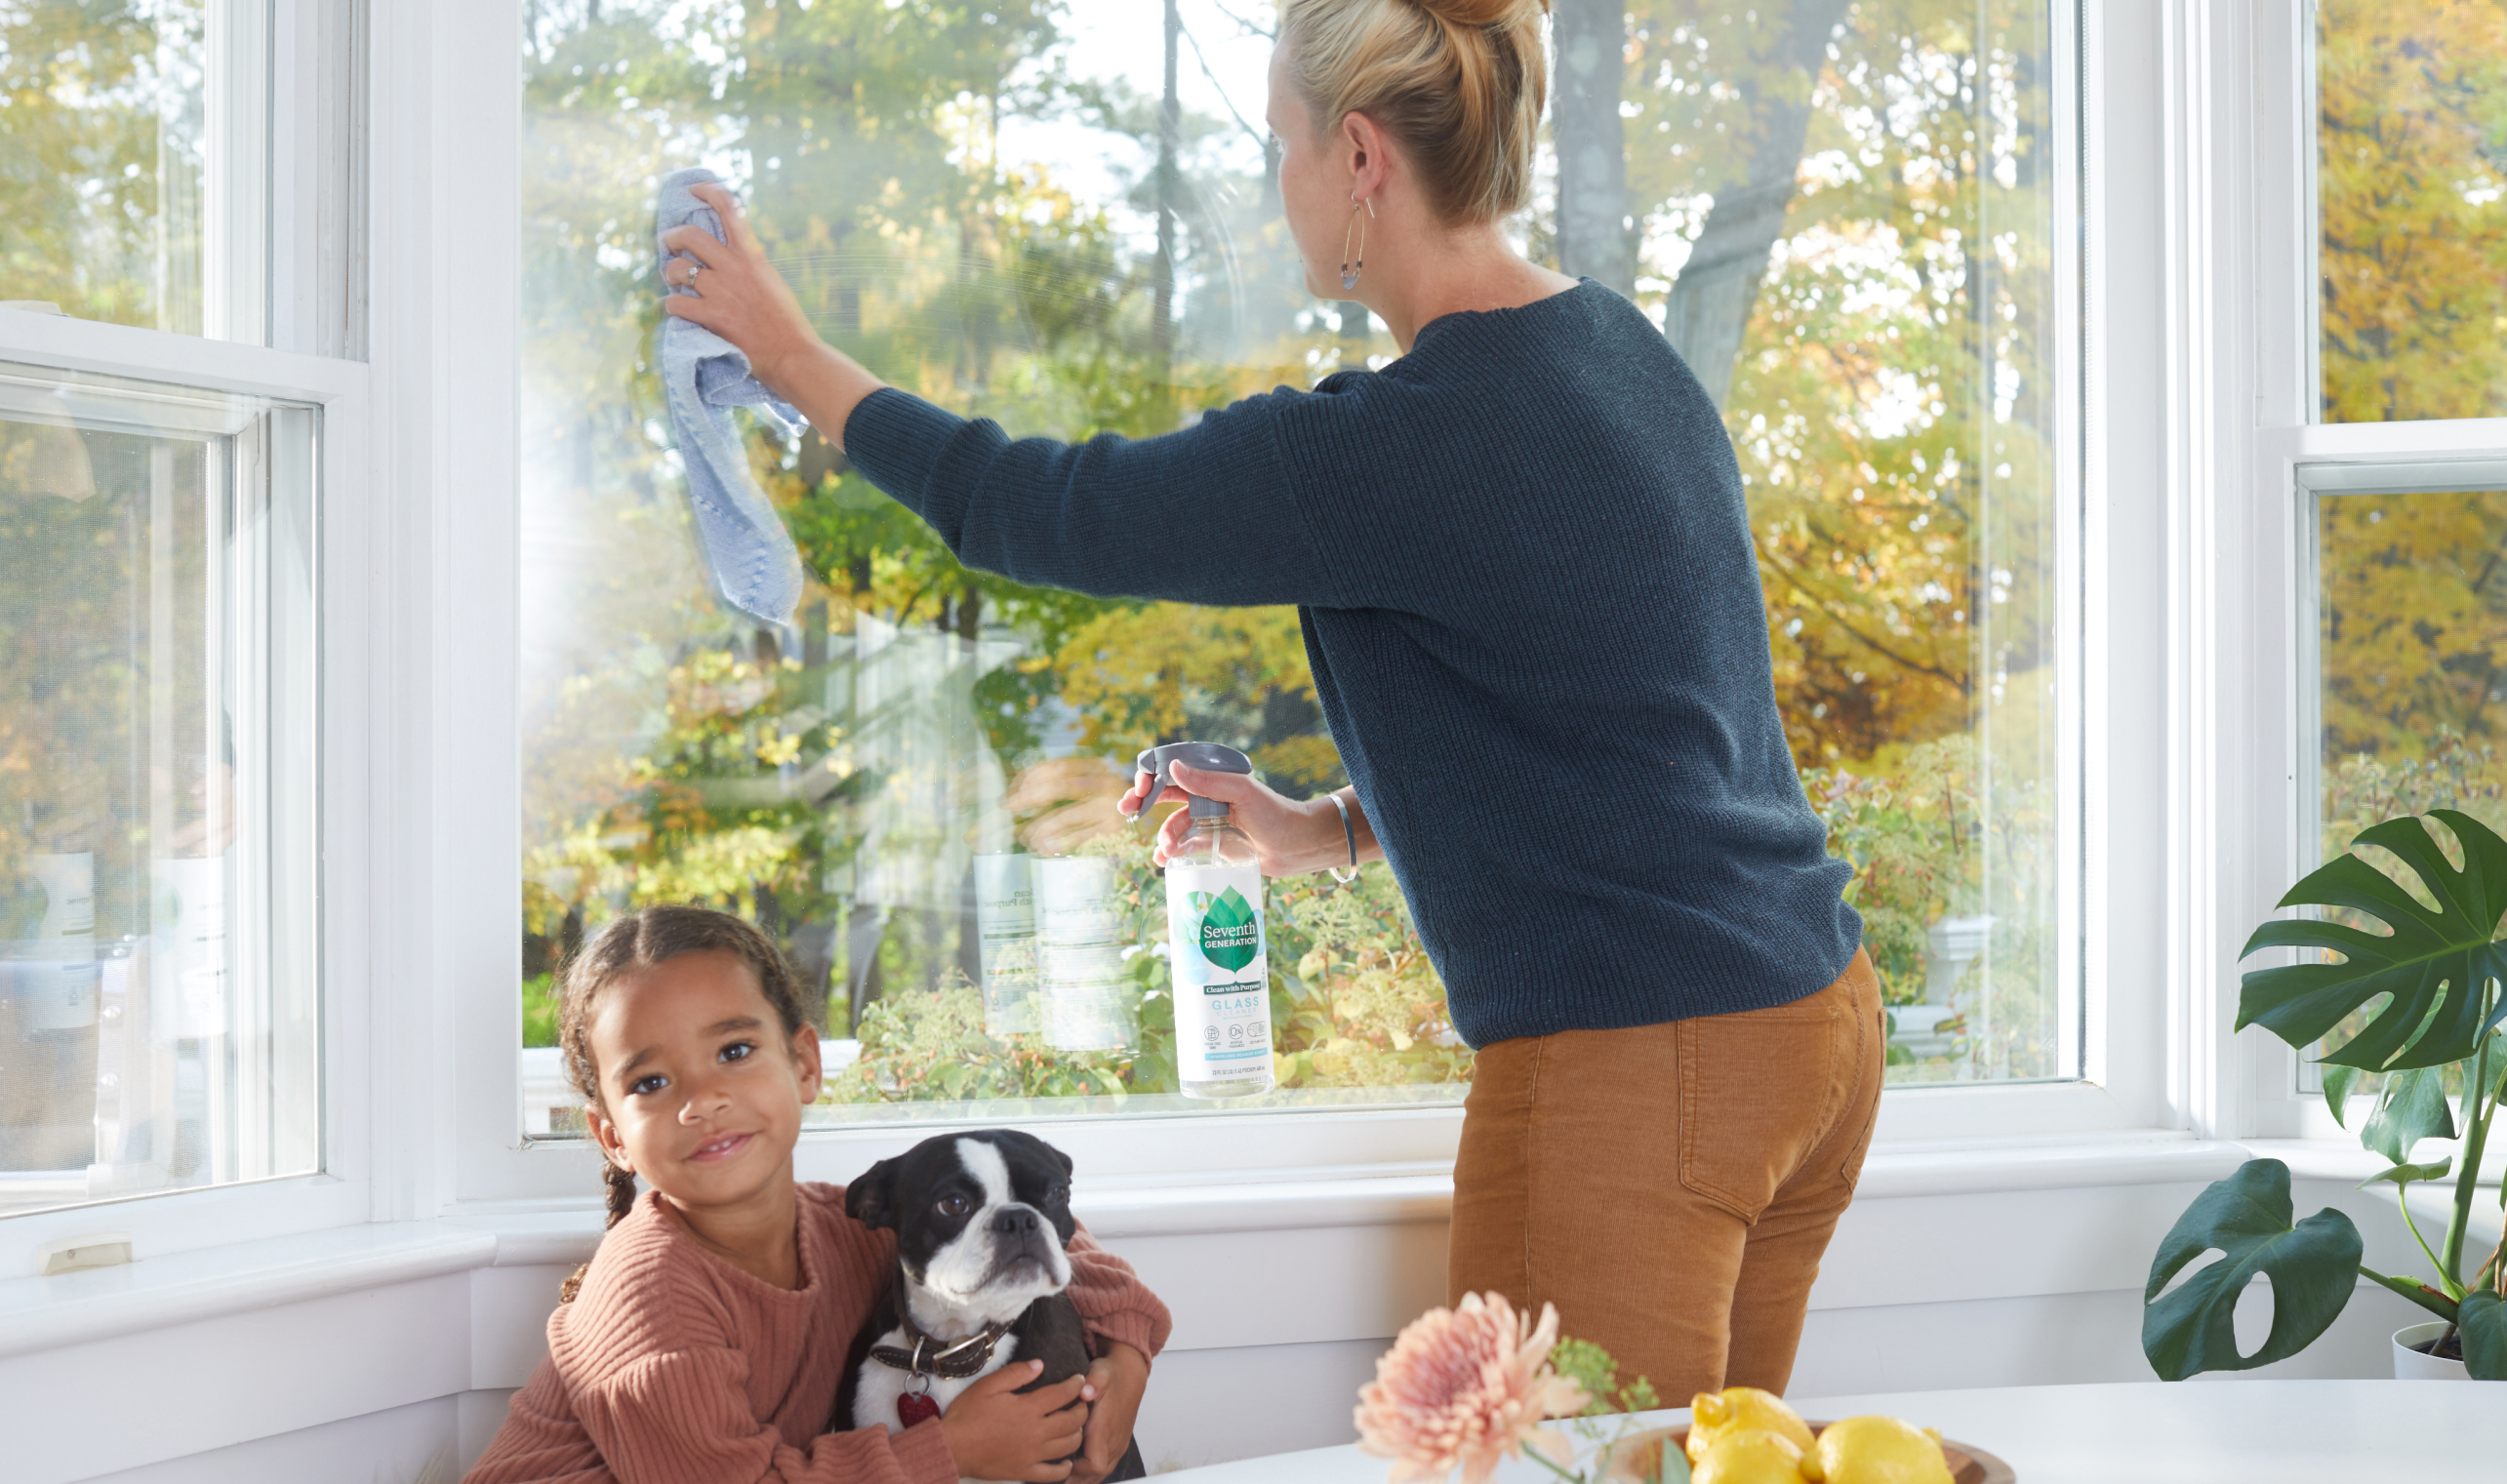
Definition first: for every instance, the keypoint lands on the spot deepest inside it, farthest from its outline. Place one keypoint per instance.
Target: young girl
(704, 1342)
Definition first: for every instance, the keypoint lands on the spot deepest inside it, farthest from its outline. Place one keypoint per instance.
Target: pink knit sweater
(673, 1367)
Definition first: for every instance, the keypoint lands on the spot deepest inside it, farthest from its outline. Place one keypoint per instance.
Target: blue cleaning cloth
(751, 555)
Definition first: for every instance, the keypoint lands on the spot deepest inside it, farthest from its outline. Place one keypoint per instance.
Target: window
(181, 187)
(1845, 218)
(159, 1020)
(136, 139)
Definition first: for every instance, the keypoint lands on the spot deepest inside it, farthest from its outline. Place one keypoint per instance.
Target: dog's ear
(871, 1197)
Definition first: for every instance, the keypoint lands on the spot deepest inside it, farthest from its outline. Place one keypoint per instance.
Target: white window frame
(337, 1193)
(2131, 851)
(2265, 757)
(287, 225)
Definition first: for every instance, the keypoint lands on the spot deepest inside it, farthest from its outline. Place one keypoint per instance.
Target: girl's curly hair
(640, 939)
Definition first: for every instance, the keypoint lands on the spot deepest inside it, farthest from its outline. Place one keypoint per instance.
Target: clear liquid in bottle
(1216, 945)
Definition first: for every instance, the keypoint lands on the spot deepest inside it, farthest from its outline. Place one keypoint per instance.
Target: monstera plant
(2443, 978)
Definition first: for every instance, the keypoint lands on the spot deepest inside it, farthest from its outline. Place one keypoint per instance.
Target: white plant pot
(2412, 1365)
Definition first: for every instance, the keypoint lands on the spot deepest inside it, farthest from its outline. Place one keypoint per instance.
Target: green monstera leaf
(2436, 964)
(2313, 1265)
(1230, 935)
(2484, 1321)
(2412, 1107)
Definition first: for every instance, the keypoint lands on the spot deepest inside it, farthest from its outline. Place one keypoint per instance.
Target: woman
(1532, 607)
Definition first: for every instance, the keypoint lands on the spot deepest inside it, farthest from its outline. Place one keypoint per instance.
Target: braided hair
(640, 939)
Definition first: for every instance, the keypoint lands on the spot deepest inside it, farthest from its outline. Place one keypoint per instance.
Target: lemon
(1877, 1450)
(1716, 1413)
(1748, 1455)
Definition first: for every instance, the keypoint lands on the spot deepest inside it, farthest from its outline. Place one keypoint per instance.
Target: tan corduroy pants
(1671, 1188)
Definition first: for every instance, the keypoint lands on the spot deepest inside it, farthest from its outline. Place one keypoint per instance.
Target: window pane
(2413, 617)
(135, 168)
(1843, 218)
(2413, 197)
(157, 999)
(974, 206)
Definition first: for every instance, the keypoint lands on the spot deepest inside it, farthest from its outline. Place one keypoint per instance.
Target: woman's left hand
(1289, 837)
(739, 296)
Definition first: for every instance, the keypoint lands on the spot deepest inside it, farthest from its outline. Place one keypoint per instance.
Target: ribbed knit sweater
(674, 1367)
(1525, 572)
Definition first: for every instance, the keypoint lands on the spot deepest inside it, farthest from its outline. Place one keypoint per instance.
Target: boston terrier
(981, 1218)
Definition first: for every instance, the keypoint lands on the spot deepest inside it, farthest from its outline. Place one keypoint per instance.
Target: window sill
(43, 1313)
(213, 1282)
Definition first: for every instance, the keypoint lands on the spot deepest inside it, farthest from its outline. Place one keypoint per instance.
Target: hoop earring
(1350, 269)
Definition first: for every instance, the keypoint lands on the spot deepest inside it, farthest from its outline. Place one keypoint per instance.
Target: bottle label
(1221, 978)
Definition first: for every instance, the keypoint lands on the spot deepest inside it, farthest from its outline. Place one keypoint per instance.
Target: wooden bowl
(1634, 1458)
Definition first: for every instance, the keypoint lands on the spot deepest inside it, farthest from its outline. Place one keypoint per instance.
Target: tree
(2412, 167)
(101, 182)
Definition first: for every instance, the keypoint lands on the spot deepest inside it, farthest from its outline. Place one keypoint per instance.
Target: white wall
(1275, 1331)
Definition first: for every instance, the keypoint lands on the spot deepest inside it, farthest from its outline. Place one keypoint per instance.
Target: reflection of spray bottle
(1214, 936)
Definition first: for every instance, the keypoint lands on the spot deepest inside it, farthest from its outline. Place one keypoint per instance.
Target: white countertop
(2130, 1432)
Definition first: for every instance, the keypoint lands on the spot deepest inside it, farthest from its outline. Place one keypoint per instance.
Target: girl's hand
(1116, 1384)
(740, 296)
(1289, 839)
(995, 1434)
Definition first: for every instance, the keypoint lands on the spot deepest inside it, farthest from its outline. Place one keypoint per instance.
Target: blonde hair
(1458, 84)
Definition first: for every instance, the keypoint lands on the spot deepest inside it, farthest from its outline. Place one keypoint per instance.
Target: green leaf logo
(1231, 935)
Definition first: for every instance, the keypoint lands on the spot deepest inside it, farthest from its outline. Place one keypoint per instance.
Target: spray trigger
(1159, 764)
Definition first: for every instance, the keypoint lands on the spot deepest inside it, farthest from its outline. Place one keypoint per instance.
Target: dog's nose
(1014, 1221)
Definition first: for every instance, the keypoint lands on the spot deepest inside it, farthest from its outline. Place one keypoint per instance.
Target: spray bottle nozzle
(1160, 762)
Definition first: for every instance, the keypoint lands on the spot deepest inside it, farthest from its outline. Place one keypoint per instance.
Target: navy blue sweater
(1525, 571)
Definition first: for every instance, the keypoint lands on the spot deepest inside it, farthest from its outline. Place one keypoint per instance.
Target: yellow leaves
(2415, 619)
(1136, 674)
(2414, 244)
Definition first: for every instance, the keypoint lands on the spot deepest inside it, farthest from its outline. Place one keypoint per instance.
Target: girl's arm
(542, 1442)
(683, 1417)
(1130, 1325)
(1113, 1301)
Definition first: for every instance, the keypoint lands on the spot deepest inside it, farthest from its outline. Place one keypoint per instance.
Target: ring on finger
(690, 283)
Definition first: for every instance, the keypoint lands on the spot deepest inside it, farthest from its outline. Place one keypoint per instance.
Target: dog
(981, 1218)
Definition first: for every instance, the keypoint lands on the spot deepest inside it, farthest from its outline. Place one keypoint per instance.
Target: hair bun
(1484, 12)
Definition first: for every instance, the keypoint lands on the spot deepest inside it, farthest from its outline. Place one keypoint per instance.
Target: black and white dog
(981, 1218)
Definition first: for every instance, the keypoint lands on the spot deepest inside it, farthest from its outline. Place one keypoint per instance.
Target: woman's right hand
(1290, 838)
(995, 1434)
(740, 296)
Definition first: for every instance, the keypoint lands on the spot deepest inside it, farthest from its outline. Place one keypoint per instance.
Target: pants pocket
(1759, 1092)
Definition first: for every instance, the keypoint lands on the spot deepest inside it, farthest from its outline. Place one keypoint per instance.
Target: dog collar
(954, 1361)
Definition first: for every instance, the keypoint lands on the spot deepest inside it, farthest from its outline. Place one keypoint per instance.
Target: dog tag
(916, 1407)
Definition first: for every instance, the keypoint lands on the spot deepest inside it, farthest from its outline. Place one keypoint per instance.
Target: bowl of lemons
(1743, 1435)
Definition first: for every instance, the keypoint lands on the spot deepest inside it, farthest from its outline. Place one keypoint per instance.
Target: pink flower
(1465, 1387)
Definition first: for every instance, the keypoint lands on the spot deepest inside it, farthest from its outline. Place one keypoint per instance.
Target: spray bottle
(1215, 940)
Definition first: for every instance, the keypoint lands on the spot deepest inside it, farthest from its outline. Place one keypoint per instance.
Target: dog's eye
(952, 1205)
(1058, 1194)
